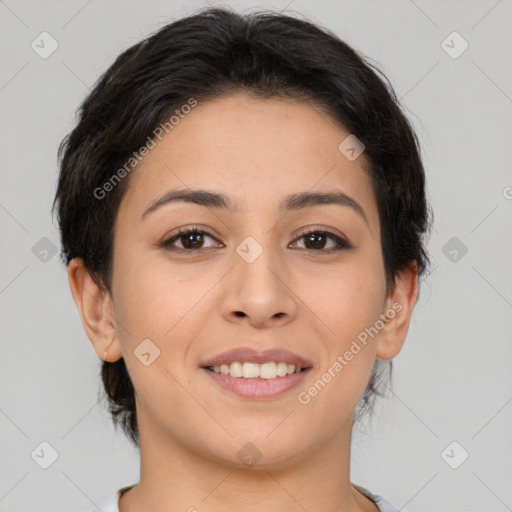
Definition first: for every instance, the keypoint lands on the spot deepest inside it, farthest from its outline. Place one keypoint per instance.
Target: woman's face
(251, 279)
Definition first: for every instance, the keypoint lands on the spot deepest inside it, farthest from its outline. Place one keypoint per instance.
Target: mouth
(248, 370)
(257, 375)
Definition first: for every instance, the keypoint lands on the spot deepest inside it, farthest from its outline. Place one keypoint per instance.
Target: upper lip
(246, 354)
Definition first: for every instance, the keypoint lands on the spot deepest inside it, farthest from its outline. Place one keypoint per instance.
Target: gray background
(452, 381)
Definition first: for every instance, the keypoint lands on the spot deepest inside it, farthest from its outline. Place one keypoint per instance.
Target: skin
(314, 303)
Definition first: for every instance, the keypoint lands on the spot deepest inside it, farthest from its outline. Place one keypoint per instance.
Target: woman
(242, 211)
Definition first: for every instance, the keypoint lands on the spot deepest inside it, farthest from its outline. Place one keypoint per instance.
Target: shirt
(112, 503)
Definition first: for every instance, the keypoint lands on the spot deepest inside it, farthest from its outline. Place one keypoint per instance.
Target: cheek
(166, 305)
(350, 302)
(348, 310)
(150, 300)
(153, 303)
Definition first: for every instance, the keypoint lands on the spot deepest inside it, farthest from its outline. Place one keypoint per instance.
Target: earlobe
(96, 311)
(399, 307)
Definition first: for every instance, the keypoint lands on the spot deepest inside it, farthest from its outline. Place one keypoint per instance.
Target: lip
(258, 388)
(249, 355)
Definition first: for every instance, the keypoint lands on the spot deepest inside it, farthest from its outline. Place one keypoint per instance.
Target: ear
(96, 311)
(399, 306)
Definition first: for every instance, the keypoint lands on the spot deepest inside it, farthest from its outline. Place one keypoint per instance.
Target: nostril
(239, 313)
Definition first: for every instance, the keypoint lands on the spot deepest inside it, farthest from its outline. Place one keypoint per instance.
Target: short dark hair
(207, 55)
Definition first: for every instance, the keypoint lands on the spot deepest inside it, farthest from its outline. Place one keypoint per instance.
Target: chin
(260, 451)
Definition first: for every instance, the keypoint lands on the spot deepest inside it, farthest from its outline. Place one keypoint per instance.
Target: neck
(174, 477)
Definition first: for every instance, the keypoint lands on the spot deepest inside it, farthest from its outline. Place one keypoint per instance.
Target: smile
(269, 370)
(260, 387)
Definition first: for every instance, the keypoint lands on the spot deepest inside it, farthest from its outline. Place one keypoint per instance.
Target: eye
(193, 239)
(190, 238)
(316, 240)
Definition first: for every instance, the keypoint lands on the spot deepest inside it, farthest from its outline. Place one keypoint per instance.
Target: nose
(259, 293)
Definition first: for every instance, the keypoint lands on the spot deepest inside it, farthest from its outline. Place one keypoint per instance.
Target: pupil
(189, 242)
(314, 236)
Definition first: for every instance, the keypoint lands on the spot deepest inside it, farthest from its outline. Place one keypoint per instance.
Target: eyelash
(342, 244)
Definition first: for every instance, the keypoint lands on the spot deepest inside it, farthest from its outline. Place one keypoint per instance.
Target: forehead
(255, 152)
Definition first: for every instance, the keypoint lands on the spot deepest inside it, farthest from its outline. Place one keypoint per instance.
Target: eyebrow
(219, 201)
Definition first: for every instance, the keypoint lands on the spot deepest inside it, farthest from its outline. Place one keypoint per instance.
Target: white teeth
(281, 369)
(250, 370)
(269, 370)
(236, 370)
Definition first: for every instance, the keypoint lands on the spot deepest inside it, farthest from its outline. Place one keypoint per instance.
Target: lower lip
(258, 388)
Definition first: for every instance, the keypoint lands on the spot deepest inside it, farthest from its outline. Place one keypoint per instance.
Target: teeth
(236, 370)
(282, 369)
(269, 370)
(250, 370)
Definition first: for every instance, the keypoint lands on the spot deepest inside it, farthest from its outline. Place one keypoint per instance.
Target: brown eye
(190, 240)
(316, 240)
(193, 239)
